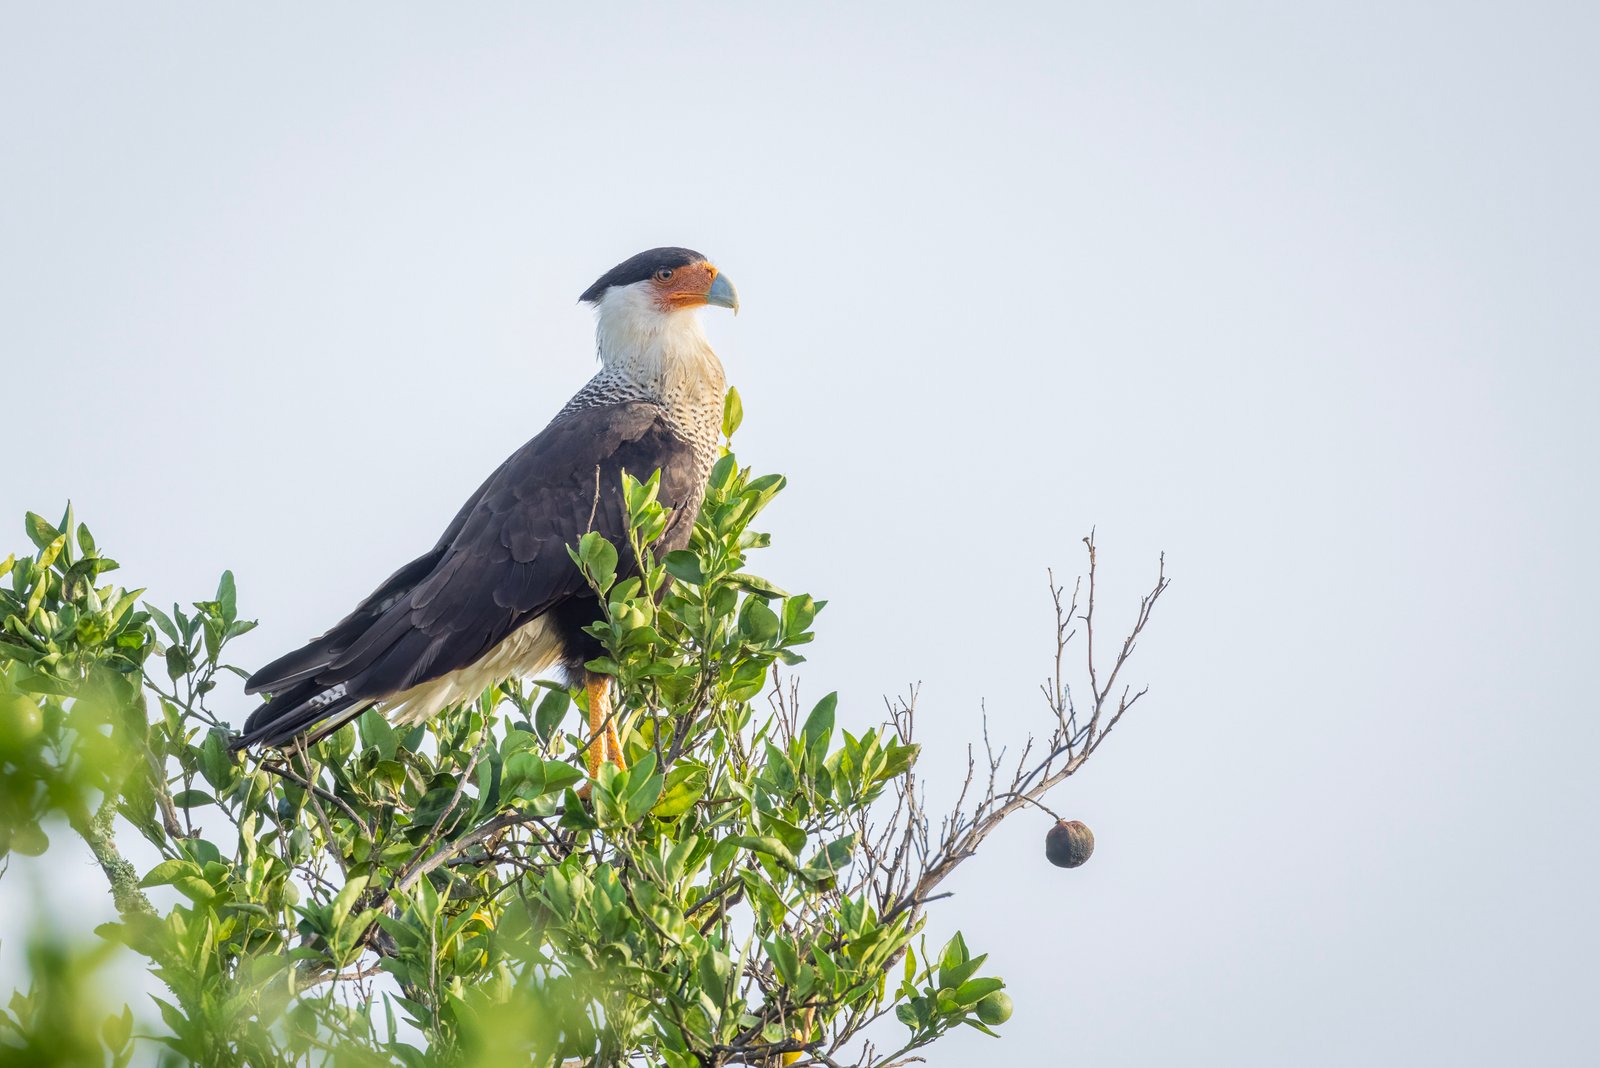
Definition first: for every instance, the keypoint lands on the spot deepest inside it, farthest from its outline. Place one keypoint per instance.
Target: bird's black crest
(638, 268)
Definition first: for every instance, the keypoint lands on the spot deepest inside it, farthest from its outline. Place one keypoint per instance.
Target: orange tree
(753, 889)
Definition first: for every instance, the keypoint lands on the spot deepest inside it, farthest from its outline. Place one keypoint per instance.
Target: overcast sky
(1304, 295)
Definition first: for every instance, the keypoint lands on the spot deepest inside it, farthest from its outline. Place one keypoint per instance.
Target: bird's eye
(664, 274)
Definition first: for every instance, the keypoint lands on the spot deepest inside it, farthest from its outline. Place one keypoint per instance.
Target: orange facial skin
(686, 287)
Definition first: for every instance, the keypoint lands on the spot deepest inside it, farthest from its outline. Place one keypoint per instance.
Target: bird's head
(645, 326)
(661, 281)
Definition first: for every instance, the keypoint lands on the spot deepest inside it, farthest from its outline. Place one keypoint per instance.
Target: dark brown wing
(501, 563)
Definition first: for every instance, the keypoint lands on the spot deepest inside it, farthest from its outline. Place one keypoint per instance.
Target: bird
(498, 595)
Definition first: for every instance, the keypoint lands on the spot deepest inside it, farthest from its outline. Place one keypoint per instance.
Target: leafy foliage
(445, 894)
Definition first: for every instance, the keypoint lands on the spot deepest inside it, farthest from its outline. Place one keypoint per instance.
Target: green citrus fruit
(995, 1009)
(30, 841)
(21, 720)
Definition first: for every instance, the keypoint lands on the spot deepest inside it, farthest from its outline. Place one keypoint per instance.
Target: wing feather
(501, 563)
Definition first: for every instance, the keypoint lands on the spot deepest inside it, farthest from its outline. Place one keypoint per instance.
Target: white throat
(664, 353)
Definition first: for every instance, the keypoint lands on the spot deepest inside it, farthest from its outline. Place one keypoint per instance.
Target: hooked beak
(722, 294)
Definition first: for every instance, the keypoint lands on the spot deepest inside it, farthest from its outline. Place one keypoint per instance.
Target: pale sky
(1304, 295)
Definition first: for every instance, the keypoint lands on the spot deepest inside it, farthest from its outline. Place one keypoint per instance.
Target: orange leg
(614, 744)
(599, 689)
(603, 742)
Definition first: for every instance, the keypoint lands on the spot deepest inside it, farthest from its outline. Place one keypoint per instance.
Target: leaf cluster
(459, 891)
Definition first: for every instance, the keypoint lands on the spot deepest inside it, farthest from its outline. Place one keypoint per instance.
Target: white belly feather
(526, 651)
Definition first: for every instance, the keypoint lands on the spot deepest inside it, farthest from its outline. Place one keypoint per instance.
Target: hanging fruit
(1069, 843)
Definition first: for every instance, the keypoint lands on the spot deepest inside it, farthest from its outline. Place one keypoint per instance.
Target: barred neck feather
(665, 352)
(664, 357)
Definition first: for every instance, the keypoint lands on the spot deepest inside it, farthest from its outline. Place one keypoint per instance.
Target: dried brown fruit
(1069, 843)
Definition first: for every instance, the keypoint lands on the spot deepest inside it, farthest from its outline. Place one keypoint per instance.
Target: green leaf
(640, 496)
(51, 551)
(117, 1030)
(757, 622)
(175, 1020)
(793, 838)
(558, 775)
(643, 797)
(898, 760)
(818, 730)
(375, 732)
(165, 623)
(170, 871)
(30, 840)
(831, 859)
(763, 489)
(956, 966)
(785, 959)
(215, 762)
(767, 844)
(40, 532)
(179, 662)
(197, 890)
(756, 584)
(714, 967)
(953, 953)
(722, 473)
(732, 412)
(437, 804)
(684, 566)
(975, 990)
(749, 678)
(347, 899)
(192, 798)
(551, 711)
(390, 773)
(227, 597)
(686, 784)
(598, 558)
(575, 814)
(68, 522)
(798, 612)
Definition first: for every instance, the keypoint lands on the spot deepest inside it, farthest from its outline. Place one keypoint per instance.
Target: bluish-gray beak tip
(722, 294)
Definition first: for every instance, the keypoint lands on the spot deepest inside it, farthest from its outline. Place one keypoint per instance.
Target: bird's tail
(311, 686)
(305, 709)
